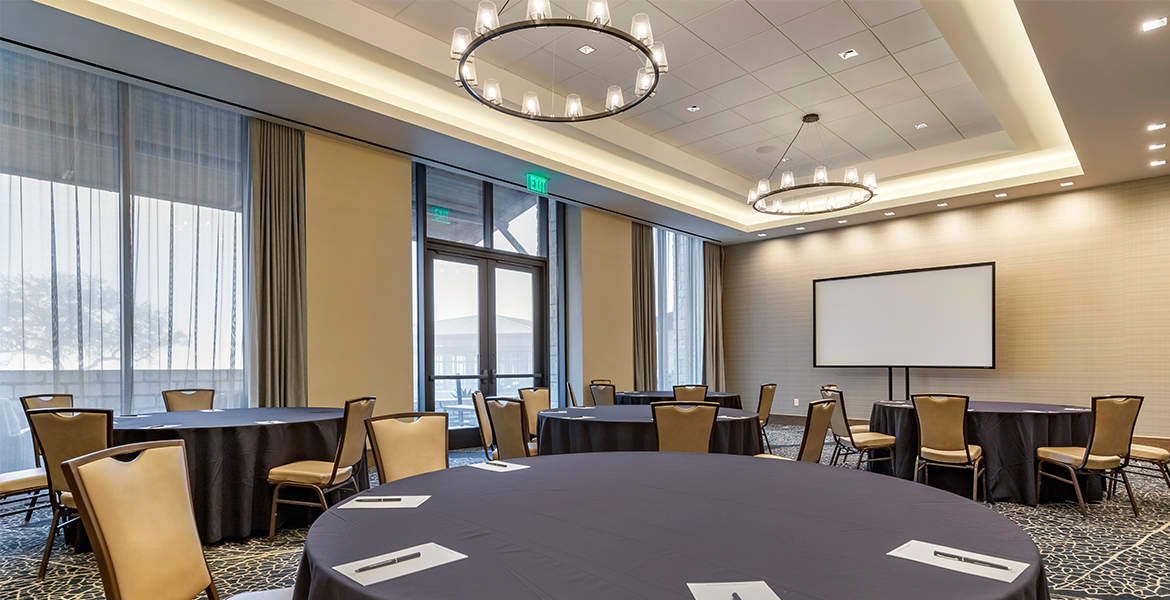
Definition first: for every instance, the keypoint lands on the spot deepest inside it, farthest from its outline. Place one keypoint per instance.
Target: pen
(971, 561)
(497, 464)
(735, 596)
(386, 563)
(378, 500)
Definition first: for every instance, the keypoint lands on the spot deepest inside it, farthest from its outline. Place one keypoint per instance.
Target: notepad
(1075, 408)
(431, 555)
(385, 502)
(553, 412)
(212, 410)
(746, 590)
(269, 422)
(582, 417)
(162, 426)
(925, 552)
(495, 466)
(729, 418)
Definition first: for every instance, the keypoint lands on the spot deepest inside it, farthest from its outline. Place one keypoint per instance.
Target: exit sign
(537, 184)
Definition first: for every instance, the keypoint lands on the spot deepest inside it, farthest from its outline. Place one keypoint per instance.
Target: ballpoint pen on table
(971, 561)
(386, 563)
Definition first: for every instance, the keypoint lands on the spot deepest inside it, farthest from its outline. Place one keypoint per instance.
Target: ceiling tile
(505, 51)
(588, 86)
(780, 13)
(867, 46)
(978, 128)
(862, 130)
(876, 12)
(790, 73)
(739, 91)
(729, 24)
(783, 126)
(957, 96)
(913, 111)
(907, 31)
(623, 14)
(436, 19)
(683, 47)
(683, 11)
(842, 160)
(886, 150)
(670, 90)
(814, 92)
(886, 94)
(706, 148)
(622, 70)
(765, 108)
(720, 122)
(938, 137)
(823, 26)
(923, 57)
(772, 150)
(818, 143)
(837, 108)
(765, 49)
(707, 106)
(934, 120)
(653, 122)
(390, 8)
(708, 72)
(538, 68)
(681, 135)
(745, 136)
(603, 52)
(970, 113)
(883, 70)
(942, 78)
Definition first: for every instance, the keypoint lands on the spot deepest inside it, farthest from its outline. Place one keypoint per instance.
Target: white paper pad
(1037, 411)
(1075, 408)
(269, 422)
(553, 412)
(132, 416)
(212, 410)
(582, 417)
(161, 426)
(725, 417)
(923, 552)
(585, 407)
(494, 467)
(433, 555)
(406, 502)
(747, 590)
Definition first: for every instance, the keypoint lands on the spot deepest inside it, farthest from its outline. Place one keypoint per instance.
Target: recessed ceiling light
(921, 126)
(1066, 184)
(586, 49)
(800, 228)
(693, 108)
(942, 204)
(1156, 126)
(1148, 25)
(1157, 146)
(761, 235)
(842, 221)
(785, 159)
(889, 214)
(850, 53)
(1157, 163)
(1001, 195)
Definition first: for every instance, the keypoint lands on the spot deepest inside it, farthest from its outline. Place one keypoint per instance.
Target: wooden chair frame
(812, 406)
(765, 415)
(572, 396)
(409, 415)
(1158, 470)
(923, 464)
(523, 421)
(842, 451)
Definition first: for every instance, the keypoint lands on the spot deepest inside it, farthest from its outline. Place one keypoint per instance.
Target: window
(678, 289)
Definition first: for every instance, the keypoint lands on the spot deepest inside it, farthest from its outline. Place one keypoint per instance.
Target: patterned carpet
(1110, 556)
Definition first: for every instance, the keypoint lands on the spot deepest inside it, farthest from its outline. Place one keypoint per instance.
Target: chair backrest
(141, 522)
(407, 444)
(351, 444)
(684, 426)
(839, 422)
(1114, 418)
(942, 422)
(572, 395)
(600, 381)
(604, 394)
(65, 434)
(816, 425)
(485, 424)
(764, 408)
(690, 393)
(193, 399)
(535, 400)
(43, 401)
(509, 420)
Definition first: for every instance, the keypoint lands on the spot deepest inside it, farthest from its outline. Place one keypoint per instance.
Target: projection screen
(940, 317)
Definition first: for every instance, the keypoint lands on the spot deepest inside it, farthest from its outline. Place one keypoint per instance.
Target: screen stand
(890, 380)
(907, 383)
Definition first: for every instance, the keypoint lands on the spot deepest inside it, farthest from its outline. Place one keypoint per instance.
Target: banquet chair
(535, 400)
(509, 420)
(816, 428)
(21, 486)
(690, 393)
(146, 544)
(850, 442)
(604, 394)
(942, 439)
(600, 382)
(1152, 463)
(408, 444)
(44, 401)
(764, 410)
(325, 476)
(684, 426)
(485, 425)
(1114, 418)
(64, 434)
(855, 428)
(572, 396)
(193, 399)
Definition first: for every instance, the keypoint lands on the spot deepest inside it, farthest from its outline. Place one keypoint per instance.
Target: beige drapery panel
(714, 374)
(645, 335)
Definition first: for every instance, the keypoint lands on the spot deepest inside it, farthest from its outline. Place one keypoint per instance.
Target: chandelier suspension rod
(785, 155)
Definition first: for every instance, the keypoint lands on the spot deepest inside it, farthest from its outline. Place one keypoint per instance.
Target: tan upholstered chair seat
(1152, 453)
(1072, 456)
(772, 456)
(869, 439)
(532, 448)
(68, 501)
(20, 481)
(315, 472)
(952, 456)
(856, 429)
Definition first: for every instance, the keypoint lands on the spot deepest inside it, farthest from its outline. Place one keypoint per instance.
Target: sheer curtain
(678, 268)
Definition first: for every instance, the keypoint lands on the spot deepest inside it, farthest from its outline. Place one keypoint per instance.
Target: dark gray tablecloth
(644, 524)
(631, 428)
(725, 399)
(1009, 433)
(229, 456)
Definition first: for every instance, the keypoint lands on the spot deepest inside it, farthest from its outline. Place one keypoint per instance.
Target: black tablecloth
(631, 428)
(644, 524)
(725, 399)
(1009, 433)
(229, 456)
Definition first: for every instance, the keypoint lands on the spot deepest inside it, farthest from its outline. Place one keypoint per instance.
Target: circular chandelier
(640, 39)
(819, 196)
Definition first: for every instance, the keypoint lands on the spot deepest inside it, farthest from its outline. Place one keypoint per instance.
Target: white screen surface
(934, 318)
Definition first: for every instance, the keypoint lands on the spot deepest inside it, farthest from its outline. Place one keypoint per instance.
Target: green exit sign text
(537, 184)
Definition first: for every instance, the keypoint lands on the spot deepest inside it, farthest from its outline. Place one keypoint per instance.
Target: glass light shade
(469, 74)
(763, 187)
(803, 206)
(640, 28)
(530, 105)
(821, 175)
(573, 106)
(613, 98)
(538, 9)
(869, 180)
(778, 205)
(658, 49)
(491, 91)
(851, 175)
(486, 18)
(645, 78)
(597, 12)
(459, 42)
(752, 196)
(855, 197)
(787, 180)
(831, 203)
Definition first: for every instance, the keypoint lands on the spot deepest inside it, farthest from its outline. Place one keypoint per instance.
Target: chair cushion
(27, 480)
(281, 594)
(856, 429)
(951, 456)
(869, 439)
(315, 472)
(1151, 453)
(772, 456)
(1072, 457)
(67, 500)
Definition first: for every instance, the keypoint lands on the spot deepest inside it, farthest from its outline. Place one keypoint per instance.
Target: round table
(1009, 433)
(229, 455)
(631, 428)
(644, 524)
(725, 399)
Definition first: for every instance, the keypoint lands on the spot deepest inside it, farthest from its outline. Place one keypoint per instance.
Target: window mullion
(125, 141)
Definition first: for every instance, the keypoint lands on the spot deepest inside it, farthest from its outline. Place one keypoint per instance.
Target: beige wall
(1083, 300)
(359, 265)
(606, 349)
